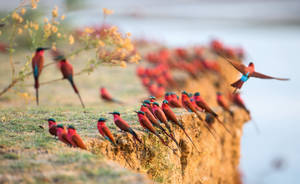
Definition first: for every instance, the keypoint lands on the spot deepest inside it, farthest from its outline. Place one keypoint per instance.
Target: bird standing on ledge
(52, 126)
(74, 138)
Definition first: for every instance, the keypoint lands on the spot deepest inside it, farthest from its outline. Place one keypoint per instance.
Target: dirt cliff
(218, 158)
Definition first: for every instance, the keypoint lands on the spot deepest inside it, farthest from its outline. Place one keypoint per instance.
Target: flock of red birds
(155, 118)
(158, 78)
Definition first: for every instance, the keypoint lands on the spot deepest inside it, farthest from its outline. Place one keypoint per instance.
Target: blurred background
(268, 30)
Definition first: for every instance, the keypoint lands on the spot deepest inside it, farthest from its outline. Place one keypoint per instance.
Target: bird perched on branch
(75, 139)
(106, 96)
(67, 71)
(247, 71)
(52, 126)
(37, 67)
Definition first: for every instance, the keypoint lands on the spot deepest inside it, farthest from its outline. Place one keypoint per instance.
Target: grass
(29, 154)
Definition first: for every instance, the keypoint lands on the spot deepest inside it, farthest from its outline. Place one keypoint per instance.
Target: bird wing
(64, 138)
(122, 124)
(78, 141)
(147, 125)
(237, 65)
(107, 133)
(263, 76)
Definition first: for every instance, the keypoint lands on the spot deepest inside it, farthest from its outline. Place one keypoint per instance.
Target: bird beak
(110, 113)
(46, 48)
(136, 111)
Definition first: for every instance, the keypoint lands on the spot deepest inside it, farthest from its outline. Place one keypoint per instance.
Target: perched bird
(152, 118)
(247, 71)
(52, 126)
(237, 100)
(223, 103)
(194, 102)
(123, 125)
(149, 105)
(152, 99)
(145, 123)
(173, 101)
(37, 67)
(201, 103)
(62, 134)
(105, 132)
(67, 71)
(188, 105)
(172, 117)
(106, 96)
(74, 138)
(160, 115)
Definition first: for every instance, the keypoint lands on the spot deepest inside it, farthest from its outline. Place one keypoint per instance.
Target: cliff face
(218, 159)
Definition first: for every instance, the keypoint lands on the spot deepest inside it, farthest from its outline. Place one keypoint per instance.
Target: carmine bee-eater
(52, 126)
(37, 67)
(149, 105)
(237, 100)
(106, 96)
(67, 71)
(194, 103)
(247, 71)
(152, 99)
(123, 125)
(223, 103)
(201, 103)
(173, 101)
(188, 105)
(62, 134)
(105, 132)
(152, 118)
(172, 117)
(145, 123)
(160, 115)
(74, 138)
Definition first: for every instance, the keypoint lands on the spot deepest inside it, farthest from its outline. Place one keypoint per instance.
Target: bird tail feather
(238, 84)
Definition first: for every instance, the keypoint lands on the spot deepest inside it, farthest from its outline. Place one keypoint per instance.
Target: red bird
(173, 101)
(152, 118)
(62, 134)
(172, 117)
(107, 97)
(105, 132)
(237, 100)
(223, 103)
(37, 67)
(149, 105)
(247, 73)
(201, 103)
(123, 125)
(187, 104)
(67, 71)
(145, 123)
(160, 115)
(74, 138)
(52, 126)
